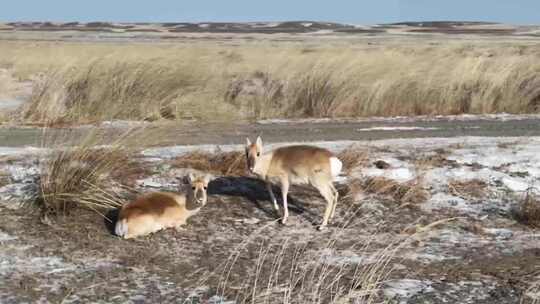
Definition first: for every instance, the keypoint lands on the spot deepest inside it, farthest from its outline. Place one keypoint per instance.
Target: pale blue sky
(350, 11)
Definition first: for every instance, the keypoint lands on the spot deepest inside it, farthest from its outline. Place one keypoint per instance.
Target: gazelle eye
(258, 154)
(205, 188)
(192, 188)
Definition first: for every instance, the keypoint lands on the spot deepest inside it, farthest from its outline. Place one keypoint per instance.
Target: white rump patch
(121, 228)
(335, 166)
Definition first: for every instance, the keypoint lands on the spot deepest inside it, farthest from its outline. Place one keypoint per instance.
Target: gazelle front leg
(272, 197)
(327, 193)
(336, 196)
(284, 191)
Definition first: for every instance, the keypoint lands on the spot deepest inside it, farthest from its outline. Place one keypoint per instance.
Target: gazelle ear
(248, 142)
(207, 179)
(190, 177)
(259, 142)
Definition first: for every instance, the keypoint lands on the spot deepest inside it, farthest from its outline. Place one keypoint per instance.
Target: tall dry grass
(110, 90)
(82, 169)
(263, 80)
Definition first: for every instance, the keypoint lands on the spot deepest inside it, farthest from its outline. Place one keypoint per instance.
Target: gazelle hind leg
(284, 191)
(272, 196)
(336, 196)
(328, 195)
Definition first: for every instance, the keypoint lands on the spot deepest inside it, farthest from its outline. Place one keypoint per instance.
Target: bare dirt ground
(483, 254)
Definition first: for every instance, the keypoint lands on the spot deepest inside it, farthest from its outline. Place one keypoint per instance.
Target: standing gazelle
(160, 210)
(296, 165)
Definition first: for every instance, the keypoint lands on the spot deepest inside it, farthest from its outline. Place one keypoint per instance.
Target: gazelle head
(253, 153)
(199, 187)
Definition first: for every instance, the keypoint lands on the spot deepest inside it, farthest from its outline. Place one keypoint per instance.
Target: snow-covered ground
(482, 227)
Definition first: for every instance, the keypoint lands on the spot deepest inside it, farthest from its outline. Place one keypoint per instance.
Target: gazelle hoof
(321, 227)
(284, 221)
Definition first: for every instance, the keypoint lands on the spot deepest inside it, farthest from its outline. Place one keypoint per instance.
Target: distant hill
(284, 27)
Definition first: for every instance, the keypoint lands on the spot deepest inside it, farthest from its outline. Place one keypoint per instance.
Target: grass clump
(528, 211)
(474, 188)
(223, 163)
(407, 192)
(353, 157)
(81, 170)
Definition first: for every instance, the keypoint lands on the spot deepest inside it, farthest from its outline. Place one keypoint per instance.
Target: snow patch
(499, 233)
(515, 185)
(406, 288)
(423, 118)
(6, 151)
(4, 237)
(396, 129)
(399, 171)
(446, 201)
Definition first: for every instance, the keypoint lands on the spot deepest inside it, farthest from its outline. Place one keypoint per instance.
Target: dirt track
(307, 131)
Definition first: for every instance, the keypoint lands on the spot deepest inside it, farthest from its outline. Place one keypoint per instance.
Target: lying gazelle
(159, 210)
(297, 165)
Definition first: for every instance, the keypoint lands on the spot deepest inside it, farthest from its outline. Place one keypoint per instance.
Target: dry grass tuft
(349, 192)
(4, 179)
(353, 157)
(438, 159)
(81, 170)
(474, 188)
(223, 163)
(409, 192)
(528, 211)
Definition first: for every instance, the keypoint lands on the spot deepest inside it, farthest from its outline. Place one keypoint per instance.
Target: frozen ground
(479, 253)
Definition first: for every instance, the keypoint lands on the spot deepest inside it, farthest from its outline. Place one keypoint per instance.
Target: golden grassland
(86, 82)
